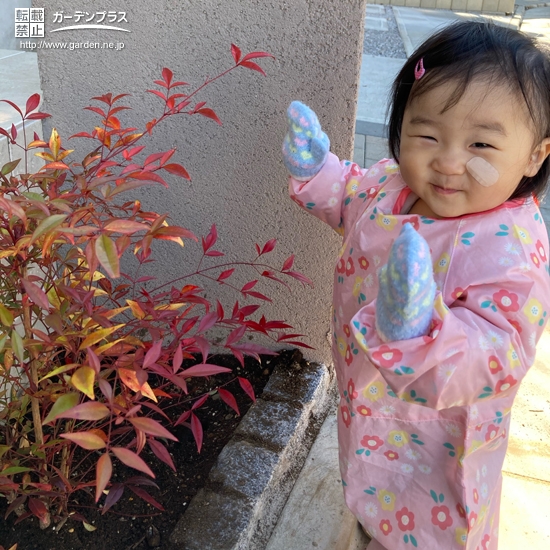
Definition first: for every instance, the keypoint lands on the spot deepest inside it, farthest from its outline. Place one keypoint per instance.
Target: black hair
(469, 50)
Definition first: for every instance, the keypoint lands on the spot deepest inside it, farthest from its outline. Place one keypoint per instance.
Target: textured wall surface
(238, 179)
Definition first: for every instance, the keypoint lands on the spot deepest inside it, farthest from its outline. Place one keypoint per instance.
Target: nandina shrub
(92, 356)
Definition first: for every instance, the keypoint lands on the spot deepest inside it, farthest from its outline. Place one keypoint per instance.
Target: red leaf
(254, 55)
(235, 335)
(249, 285)
(288, 263)
(151, 427)
(236, 53)
(167, 75)
(161, 452)
(225, 275)
(38, 116)
(252, 65)
(82, 135)
(115, 492)
(228, 398)
(210, 239)
(132, 459)
(301, 344)
(258, 295)
(182, 418)
(204, 369)
(300, 277)
(104, 470)
(196, 428)
(268, 246)
(247, 387)
(220, 311)
(89, 410)
(209, 113)
(97, 110)
(177, 360)
(38, 508)
(214, 253)
(36, 294)
(32, 103)
(153, 354)
(208, 321)
(177, 169)
(13, 132)
(142, 493)
(249, 310)
(199, 402)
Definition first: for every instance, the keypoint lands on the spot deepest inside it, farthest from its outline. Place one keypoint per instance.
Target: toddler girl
(442, 286)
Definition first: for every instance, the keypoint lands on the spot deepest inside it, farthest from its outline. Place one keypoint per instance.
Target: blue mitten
(407, 289)
(306, 146)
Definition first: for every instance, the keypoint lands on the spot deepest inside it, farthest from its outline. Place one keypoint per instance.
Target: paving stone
(271, 423)
(213, 521)
(244, 467)
(305, 385)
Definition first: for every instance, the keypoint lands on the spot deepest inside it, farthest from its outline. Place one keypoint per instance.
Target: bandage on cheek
(482, 171)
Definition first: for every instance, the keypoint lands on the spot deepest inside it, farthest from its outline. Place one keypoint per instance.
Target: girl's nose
(449, 163)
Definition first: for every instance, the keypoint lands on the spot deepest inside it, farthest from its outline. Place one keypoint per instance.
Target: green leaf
(10, 167)
(107, 254)
(433, 495)
(413, 540)
(6, 316)
(15, 470)
(33, 196)
(59, 370)
(17, 346)
(441, 497)
(63, 403)
(3, 341)
(47, 224)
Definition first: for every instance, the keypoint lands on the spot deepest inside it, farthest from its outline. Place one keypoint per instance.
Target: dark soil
(133, 524)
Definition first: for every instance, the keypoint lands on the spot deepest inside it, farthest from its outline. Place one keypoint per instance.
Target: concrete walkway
(315, 515)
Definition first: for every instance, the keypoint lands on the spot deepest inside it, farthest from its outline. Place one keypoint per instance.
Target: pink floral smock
(423, 423)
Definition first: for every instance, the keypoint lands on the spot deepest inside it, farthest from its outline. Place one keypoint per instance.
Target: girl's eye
(480, 145)
(428, 137)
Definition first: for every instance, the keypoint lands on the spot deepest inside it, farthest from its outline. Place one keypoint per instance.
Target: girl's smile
(488, 124)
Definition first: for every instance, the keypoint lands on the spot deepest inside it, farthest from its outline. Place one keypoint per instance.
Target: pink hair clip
(419, 70)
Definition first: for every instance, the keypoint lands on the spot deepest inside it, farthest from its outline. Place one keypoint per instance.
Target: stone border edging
(254, 474)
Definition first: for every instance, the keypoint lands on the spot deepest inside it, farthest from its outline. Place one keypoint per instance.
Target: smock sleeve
(339, 189)
(479, 348)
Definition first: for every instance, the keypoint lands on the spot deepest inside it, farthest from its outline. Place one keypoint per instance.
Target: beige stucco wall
(238, 179)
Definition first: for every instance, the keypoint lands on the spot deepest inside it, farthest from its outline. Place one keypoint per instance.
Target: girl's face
(488, 122)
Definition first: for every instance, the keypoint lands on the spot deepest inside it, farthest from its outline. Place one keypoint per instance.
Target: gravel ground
(385, 43)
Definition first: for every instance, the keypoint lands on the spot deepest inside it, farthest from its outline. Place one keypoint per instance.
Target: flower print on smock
(423, 423)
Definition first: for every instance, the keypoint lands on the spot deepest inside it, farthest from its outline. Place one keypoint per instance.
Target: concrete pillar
(238, 179)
